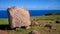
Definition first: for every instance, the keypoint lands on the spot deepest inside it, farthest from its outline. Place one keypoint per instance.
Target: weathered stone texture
(18, 17)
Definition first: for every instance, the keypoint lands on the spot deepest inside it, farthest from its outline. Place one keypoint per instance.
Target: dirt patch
(3, 32)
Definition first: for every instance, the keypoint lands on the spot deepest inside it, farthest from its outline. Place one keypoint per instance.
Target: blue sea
(4, 14)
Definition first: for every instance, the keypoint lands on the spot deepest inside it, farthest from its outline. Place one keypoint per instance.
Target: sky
(31, 4)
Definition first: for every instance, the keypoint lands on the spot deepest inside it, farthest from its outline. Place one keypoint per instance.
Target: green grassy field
(3, 21)
(42, 20)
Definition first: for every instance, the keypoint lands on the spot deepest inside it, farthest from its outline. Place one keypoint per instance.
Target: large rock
(18, 17)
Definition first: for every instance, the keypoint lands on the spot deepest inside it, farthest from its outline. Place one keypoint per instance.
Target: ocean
(4, 14)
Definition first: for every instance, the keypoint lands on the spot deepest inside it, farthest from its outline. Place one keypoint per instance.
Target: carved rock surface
(18, 17)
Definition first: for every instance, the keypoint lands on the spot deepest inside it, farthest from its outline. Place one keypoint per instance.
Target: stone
(34, 23)
(34, 32)
(18, 17)
(48, 26)
(58, 21)
(3, 32)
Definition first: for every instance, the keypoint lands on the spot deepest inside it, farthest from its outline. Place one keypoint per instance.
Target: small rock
(34, 32)
(48, 26)
(57, 21)
(34, 22)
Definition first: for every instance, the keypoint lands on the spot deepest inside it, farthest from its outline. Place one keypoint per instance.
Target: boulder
(18, 17)
(34, 32)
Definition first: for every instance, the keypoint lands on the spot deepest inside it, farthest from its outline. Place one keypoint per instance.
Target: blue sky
(31, 4)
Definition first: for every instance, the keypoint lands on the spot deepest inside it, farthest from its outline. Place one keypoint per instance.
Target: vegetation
(53, 13)
(3, 21)
(42, 20)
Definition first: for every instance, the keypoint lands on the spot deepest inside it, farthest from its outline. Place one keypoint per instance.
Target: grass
(42, 20)
(3, 21)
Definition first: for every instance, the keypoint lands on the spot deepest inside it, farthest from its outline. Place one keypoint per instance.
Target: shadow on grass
(5, 27)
